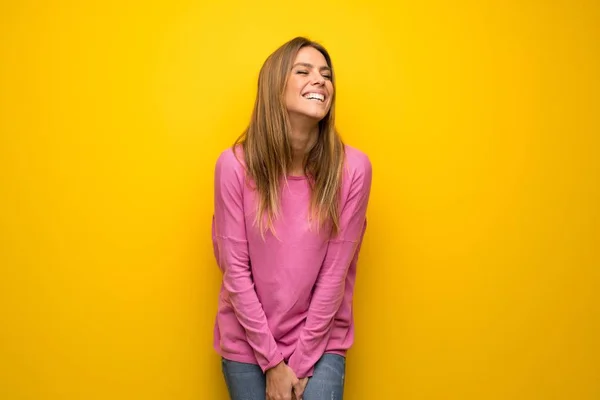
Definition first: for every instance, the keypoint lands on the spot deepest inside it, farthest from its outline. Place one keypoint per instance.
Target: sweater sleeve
(329, 288)
(231, 248)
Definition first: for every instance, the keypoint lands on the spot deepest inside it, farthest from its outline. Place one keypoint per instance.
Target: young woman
(290, 206)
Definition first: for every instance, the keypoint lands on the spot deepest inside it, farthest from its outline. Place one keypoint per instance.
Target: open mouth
(315, 97)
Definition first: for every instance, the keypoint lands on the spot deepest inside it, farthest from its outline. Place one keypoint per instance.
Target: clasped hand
(282, 383)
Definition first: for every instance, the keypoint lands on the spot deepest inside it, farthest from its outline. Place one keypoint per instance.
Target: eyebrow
(308, 65)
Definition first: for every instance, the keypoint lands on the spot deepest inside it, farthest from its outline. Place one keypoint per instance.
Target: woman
(290, 206)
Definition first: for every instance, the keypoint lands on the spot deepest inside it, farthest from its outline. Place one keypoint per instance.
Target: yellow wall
(479, 277)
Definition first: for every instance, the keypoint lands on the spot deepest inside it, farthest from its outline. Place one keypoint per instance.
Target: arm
(330, 285)
(233, 259)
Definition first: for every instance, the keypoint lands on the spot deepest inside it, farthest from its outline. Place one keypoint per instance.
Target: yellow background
(479, 277)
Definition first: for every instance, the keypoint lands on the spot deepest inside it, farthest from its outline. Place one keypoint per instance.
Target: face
(309, 88)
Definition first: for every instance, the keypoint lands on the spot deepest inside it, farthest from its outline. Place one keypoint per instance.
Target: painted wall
(479, 277)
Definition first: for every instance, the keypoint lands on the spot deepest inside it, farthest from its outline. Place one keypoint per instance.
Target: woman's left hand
(299, 388)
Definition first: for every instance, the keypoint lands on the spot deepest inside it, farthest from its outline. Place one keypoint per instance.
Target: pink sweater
(287, 298)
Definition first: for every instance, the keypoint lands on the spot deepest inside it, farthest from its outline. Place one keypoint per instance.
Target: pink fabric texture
(286, 297)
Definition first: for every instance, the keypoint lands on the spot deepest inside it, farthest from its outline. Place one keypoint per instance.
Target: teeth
(316, 96)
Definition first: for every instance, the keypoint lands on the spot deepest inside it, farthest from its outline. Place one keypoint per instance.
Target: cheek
(290, 93)
(292, 90)
(293, 83)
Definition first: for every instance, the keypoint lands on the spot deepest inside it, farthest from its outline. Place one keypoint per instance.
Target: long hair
(267, 148)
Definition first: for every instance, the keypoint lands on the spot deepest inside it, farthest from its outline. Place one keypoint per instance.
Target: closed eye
(304, 72)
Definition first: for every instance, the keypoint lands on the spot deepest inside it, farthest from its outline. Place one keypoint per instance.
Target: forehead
(310, 55)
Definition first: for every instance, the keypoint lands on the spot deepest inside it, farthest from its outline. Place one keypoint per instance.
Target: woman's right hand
(280, 381)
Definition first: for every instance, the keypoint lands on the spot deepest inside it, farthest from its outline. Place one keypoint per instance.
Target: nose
(318, 79)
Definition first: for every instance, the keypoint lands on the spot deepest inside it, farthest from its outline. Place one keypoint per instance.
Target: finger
(298, 391)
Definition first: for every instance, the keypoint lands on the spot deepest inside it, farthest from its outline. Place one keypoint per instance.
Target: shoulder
(230, 164)
(357, 163)
(230, 158)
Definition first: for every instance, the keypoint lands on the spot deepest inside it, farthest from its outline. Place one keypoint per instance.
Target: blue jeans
(247, 381)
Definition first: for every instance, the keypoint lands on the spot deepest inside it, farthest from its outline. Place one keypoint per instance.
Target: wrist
(277, 367)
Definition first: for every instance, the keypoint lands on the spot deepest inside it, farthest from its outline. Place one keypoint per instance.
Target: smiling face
(309, 87)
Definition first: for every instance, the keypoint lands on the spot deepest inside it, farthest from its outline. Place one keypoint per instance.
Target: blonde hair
(268, 152)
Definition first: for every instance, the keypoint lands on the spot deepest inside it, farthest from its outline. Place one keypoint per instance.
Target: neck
(302, 137)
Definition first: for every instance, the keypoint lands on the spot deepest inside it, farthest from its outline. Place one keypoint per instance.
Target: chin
(315, 114)
(317, 117)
